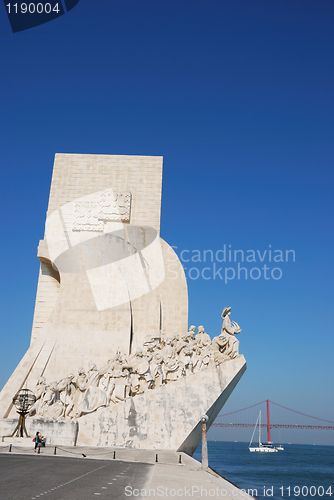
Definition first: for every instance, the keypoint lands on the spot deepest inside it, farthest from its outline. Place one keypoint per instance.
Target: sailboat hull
(263, 449)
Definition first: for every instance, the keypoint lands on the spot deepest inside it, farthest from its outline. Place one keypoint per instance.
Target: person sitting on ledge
(39, 440)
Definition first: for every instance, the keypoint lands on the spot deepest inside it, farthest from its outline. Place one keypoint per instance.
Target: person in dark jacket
(39, 440)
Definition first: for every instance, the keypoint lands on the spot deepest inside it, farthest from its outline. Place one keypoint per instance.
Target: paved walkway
(84, 473)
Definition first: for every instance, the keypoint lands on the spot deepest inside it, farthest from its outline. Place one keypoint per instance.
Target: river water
(300, 471)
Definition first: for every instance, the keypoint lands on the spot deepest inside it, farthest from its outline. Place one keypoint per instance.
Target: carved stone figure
(190, 336)
(174, 369)
(67, 390)
(150, 350)
(202, 338)
(175, 341)
(48, 399)
(192, 330)
(141, 378)
(107, 382)
(157, 370)
(94, 397)
(168, 351)
(184, 350)
(197, 359)
(219, 344)
(81, 384)
(229, 329)
(207, 354)
(120, 374)
(39, 392)
(153, 340)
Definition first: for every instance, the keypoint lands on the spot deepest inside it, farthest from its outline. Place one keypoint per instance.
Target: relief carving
(158, 362)
(115, 207)
(91, 215)
(87, 217)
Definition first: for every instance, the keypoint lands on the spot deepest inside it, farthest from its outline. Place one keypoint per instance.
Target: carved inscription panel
(90, 215)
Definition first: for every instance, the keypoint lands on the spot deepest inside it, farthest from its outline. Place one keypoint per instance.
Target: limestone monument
(111, 360)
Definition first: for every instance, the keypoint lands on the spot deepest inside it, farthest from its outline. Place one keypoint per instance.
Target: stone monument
(111, 360)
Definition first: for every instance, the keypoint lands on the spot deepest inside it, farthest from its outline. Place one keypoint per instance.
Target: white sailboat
(263, 447)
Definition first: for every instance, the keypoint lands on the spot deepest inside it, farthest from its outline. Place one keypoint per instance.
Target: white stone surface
(110, 344)
(167, 417)
(56, 433)
(100, 290)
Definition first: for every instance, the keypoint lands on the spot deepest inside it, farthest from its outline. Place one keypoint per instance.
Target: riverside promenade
(86, 473)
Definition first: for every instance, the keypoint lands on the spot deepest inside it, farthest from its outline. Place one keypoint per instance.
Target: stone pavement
(119, 473)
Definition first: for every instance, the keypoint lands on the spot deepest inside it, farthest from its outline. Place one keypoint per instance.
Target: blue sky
(238, 99)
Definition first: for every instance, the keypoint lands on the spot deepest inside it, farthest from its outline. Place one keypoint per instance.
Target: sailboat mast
(268, 423)
(260, 428)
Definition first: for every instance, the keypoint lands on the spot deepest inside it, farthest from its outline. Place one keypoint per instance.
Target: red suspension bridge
(278, 417)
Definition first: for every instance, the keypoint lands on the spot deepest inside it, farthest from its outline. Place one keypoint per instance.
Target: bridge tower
(268, 423)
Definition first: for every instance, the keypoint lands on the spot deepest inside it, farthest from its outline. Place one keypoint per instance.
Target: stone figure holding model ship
(229, 329)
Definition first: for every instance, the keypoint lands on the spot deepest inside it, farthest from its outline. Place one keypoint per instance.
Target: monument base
(56, 433)
(166, 418)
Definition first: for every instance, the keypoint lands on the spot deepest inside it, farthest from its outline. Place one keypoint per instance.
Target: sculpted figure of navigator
(229, 329)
